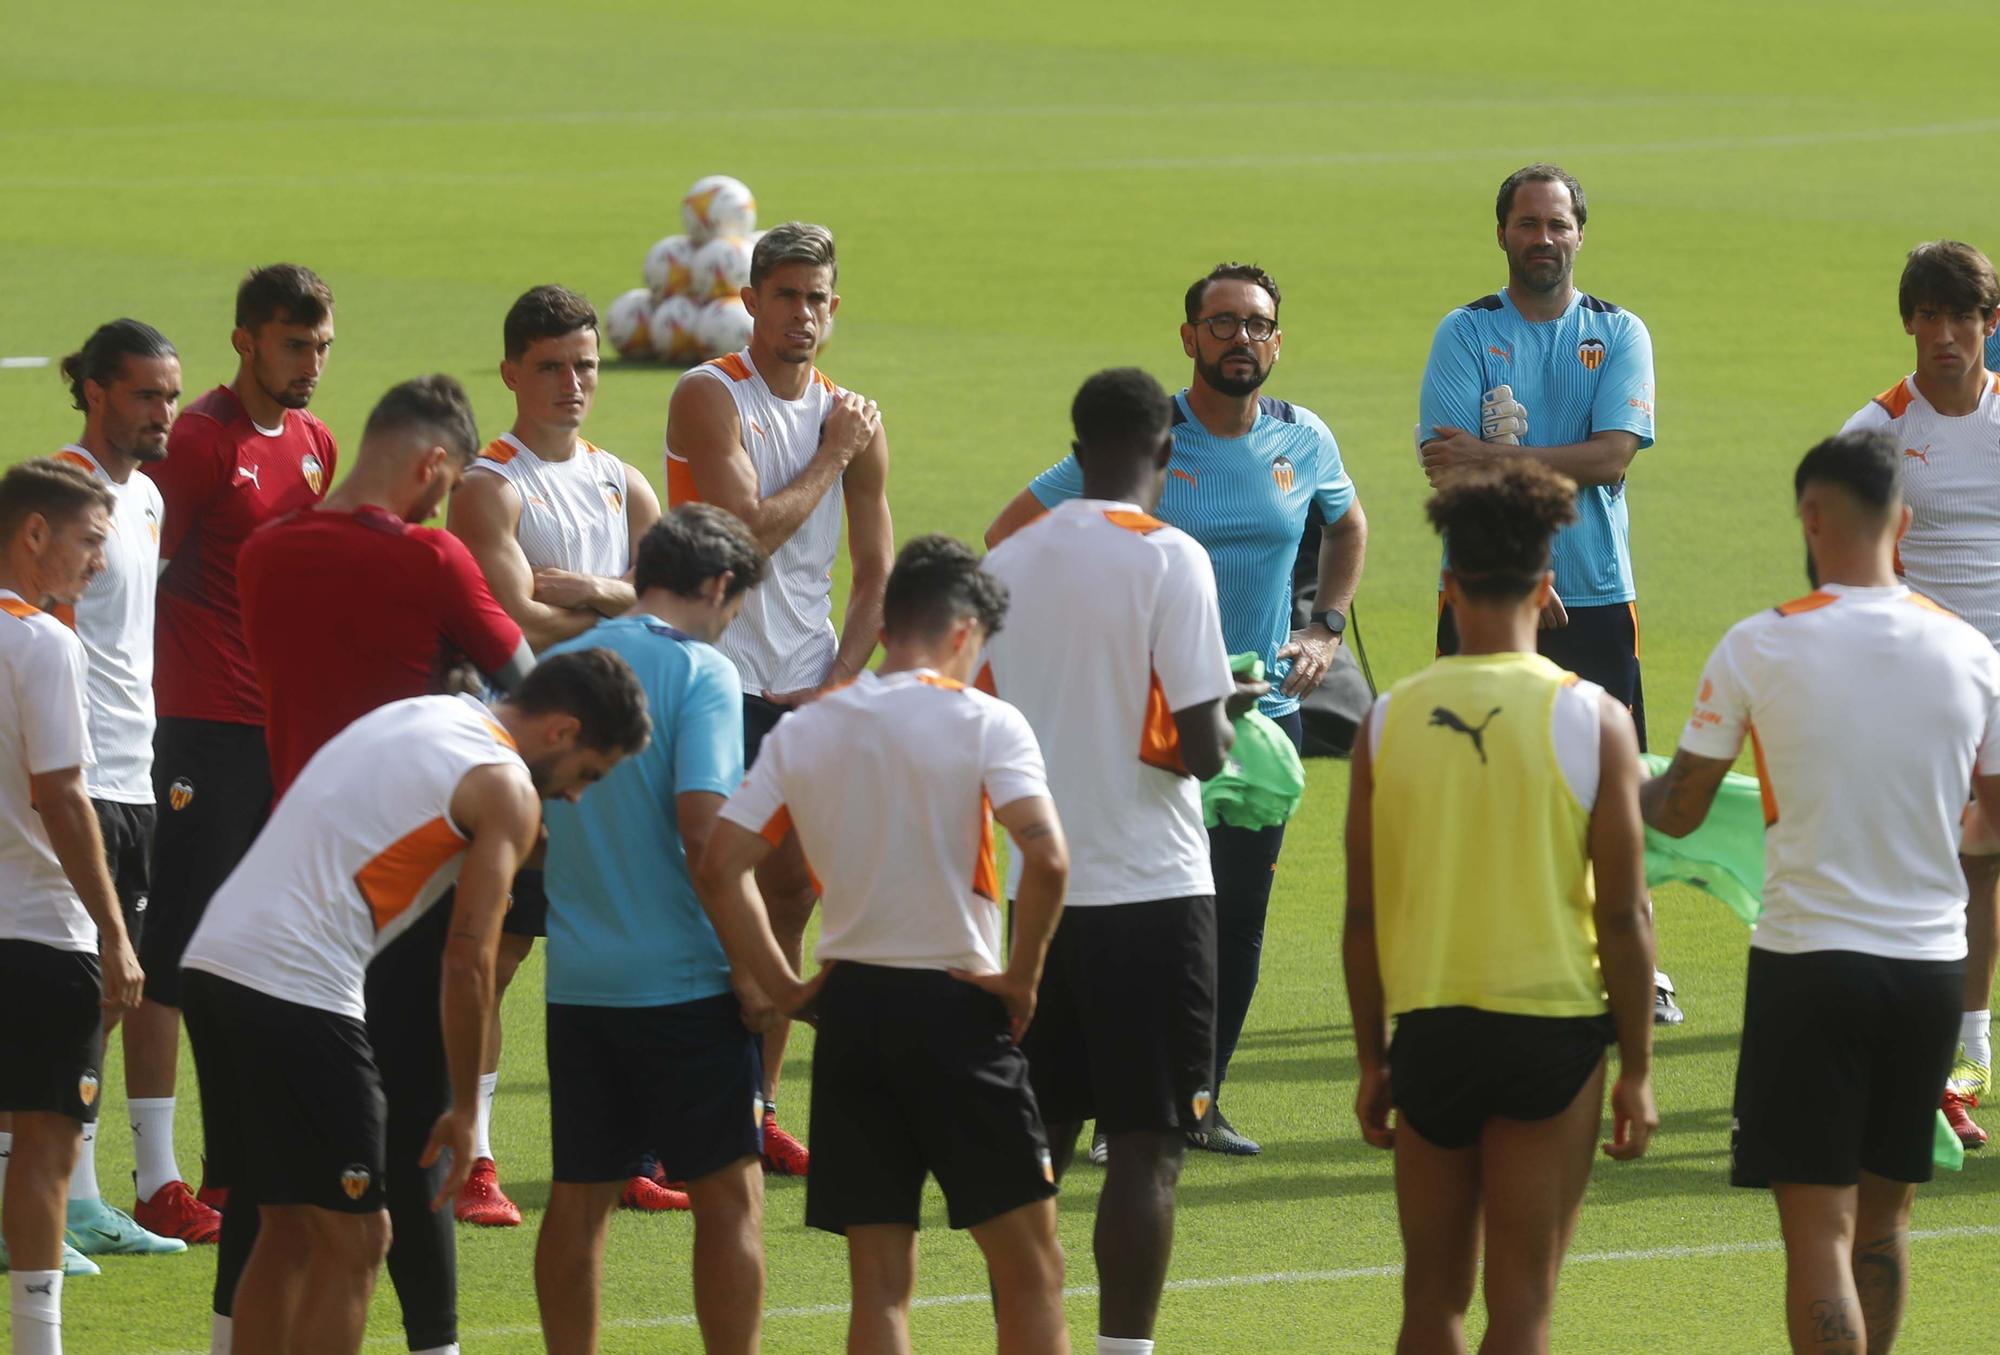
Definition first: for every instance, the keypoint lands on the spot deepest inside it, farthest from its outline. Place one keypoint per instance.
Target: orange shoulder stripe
(1896, 399)
(1811, 602)
(1919, 600)
(16, 607)
(499, 450)
(1141, 523)
(826, 381)
(69, 458)
(933, 680)
(733, 366)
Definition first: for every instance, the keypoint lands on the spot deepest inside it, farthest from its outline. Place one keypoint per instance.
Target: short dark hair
(546, 312)
(434, 405)
(793, 242)
(1237, 272)
(1867, 464)
(691, 545)
(1503, 203)
(599, 688)
(937, 581)
(1498, 523)
(1119, 412)
(58, 492)
(1949, 274)
(103, 355)
(289, 292)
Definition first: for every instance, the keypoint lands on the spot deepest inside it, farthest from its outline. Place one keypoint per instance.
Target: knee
(1033, 1269)
(357, 1242)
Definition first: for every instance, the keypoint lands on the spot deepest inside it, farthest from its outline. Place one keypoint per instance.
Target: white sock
(451, 1349)
(220, 1332)
(37, 1312)
(83, 1181)
(6, 1156)
(153, 1143)
(482, 1132)
(1123, 1345)
(1975, 1032)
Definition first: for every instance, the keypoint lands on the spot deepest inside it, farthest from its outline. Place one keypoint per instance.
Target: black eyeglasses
(1255, 328)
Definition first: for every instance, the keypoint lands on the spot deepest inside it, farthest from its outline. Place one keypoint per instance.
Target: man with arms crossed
(1857, 966)
(292, 1103)
(1945, 418)
(649, 1047)
(66, 966)
(126, 381)
(1496, 909)
(1542, 370)
(766, 436)
(346, 607)
(237, 457)
(551, 519)
(1246, 468)
(892, 784)
(1114, 653)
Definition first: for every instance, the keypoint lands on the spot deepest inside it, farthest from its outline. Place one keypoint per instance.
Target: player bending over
(1496, 910)
(892, 783)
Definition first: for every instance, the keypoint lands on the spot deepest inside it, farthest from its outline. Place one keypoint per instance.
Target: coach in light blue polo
(649, 1048)
(1541, 369)
(1245, 468)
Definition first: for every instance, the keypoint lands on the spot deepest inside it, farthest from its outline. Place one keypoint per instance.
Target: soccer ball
(672, 326)
(723, 327)
(626, 326)
(720, 269)
(718, 205)
(667, 267)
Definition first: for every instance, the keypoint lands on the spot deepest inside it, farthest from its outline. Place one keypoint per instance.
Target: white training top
(783, 639)
(359, 848)
(1951, 481)
(572, 512)
(1112, 626)
(1573, 725)
(44, 727)
(114, 620)
(1870, 709)
(891, 783)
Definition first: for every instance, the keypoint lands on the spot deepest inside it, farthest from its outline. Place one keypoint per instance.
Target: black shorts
(291, 1103)
(760, 717)
(128, 849)
(527, 906)
(1600, 644)
(1871, 1039)
(1124, 1029)
(51, 1031)
(915, 1073)
(684, 1082)
(1451, 1069)
(213, 785)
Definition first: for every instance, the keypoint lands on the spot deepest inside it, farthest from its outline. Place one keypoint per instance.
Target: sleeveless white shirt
(783, 639)
(572, 512)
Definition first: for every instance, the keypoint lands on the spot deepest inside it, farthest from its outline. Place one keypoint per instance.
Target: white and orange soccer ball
(667, 267)
(720, 269)
(724, 327)
(718, 205)
(627, 324)
(673, 328)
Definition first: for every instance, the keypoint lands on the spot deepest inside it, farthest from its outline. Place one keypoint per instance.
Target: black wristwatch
(1333, 621)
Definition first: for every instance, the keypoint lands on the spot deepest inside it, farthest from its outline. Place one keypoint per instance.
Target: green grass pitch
(1021, 193)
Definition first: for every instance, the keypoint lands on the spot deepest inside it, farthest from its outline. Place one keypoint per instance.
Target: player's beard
(1236, 387)
(1544, 274)
(143, 452)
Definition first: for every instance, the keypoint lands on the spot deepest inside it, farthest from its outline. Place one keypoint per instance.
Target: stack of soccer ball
(691, 307)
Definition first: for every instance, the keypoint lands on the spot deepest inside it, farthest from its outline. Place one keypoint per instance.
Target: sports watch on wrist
(1333, 621)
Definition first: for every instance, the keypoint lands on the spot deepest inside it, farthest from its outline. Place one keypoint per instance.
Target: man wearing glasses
(1245, 466)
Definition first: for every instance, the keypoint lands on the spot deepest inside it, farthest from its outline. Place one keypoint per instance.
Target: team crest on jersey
(614, 495)
(1200, 1103)
(1591, 354)
(354, 1181)
(1281, 474)
(315, 473)
(180, 793)
(86, 1089)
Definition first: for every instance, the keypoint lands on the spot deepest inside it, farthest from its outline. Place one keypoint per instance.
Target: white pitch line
(1276, 1277)
(10, 364)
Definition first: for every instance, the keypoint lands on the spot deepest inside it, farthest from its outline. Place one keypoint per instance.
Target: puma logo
(1446, 719)
(1915, 455)
(1180, 474)
(46, 1287)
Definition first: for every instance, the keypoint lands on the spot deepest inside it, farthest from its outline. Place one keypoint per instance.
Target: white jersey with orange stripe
(114, 619)
(1112, 626)
(360, 847)
(1951, 480)
(572, 512)
(44, 727)
(1871, 710)
(783, 640)
(891, 783)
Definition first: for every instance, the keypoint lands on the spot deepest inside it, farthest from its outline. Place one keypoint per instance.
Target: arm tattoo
(1035, 831)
